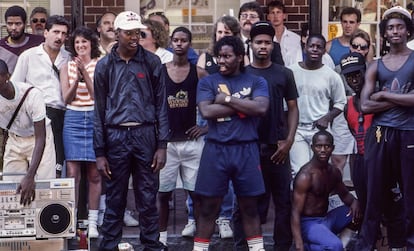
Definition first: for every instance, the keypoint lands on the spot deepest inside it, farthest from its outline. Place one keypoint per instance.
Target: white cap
(128, 20)
(397, 9)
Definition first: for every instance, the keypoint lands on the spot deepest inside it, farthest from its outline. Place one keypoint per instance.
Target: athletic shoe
(225, 230)
(189, 229)
(130, 221)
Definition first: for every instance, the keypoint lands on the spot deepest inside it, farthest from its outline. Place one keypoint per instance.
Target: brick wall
(95, 8)
(298, 13)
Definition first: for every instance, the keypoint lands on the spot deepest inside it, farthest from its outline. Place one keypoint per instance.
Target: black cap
(351, 62)
(262, 27)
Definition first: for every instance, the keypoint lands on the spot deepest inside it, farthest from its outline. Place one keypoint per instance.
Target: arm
(369, 105)
(161, 113)
(68, 91)
(346, 197)
(27, 185)
(250, 107)
(201, 62)
(324, 122)
(283, 146)
(302, 184)
(83, 73)
(399, 99)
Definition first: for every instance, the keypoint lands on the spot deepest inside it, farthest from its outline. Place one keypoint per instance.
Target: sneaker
(225, 230)
(130, 221)
(189, 229)
(93, 231)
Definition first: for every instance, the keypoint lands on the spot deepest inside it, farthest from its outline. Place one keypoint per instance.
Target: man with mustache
(38, 19)
(17, 40)
(105, 29)
(40, 66)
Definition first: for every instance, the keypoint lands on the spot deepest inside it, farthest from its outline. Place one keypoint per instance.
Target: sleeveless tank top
(181, 99)
(211, 65)
(337, 51)
(399, 81)
(358, 123)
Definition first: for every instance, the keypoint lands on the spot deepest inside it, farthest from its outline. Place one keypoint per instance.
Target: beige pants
(18, 154)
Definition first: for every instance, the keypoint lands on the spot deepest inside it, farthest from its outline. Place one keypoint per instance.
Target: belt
(306, 124)
(130, 124)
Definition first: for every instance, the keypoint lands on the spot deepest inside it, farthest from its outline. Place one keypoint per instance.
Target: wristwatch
(227, 99)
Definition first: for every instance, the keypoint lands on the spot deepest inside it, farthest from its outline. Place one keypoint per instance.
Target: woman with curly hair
(76, 79)
(155, 39)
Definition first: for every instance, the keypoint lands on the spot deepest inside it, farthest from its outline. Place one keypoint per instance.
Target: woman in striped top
(77, 91)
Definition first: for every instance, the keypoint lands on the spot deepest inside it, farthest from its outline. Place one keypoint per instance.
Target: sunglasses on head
(36, 20)
(362, 47)
(157, 13)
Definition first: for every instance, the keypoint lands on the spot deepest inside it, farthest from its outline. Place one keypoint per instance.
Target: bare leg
(94, 181)
(339, 161)
(250, 216)
(73, 171)
(207, 215)
(163, 209)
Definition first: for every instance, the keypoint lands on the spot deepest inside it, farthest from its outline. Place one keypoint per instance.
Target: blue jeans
(226, 209)
(320, 233)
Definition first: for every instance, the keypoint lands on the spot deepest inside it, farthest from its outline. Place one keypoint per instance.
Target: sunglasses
(362, 47)
(42, 20)
(143, 35)
(157, 13)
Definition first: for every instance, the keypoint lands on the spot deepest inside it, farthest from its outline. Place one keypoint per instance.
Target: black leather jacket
(132, 91)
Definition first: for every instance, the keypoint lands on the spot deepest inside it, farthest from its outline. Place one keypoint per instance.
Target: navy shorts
(239, 163)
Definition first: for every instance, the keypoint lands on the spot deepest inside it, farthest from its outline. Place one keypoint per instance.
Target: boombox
(50, 215)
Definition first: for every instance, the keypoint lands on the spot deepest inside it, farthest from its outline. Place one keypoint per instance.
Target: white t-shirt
(32, 110)
(164, 55)
(35, 67)
(317, 88)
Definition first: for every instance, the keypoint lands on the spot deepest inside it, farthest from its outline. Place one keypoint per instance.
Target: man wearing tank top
(389, 144)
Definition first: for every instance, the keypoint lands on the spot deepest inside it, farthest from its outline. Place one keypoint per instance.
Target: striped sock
(201, 244)
(255, 243)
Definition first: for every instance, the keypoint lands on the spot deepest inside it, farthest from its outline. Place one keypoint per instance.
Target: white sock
(255, 243)
(163, 238)
(201, 244)
(93, 216)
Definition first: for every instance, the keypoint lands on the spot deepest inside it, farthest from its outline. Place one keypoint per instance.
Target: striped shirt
(83, 99)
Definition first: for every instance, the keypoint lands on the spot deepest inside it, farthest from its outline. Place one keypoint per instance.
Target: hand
(196, 131)
(378, 96)
(158, 161)
(322, 123)
(282, 152)
(220, 98)
(103, 167)
(355, 211)
(27, 191)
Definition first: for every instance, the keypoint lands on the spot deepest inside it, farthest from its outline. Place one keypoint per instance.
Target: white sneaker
(93, 231)
(225, 230)
(130, 221)
(189, 229)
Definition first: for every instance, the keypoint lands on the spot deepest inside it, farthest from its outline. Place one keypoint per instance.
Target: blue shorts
(239, 163)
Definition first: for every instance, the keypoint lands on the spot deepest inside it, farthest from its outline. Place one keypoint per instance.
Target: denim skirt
(78, 135)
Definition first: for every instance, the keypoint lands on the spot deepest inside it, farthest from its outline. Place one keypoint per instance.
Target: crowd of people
(263, 114)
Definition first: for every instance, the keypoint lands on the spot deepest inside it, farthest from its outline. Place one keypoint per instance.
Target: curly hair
(407, 21)
(236, 43)
(230, 23)
(158, 32)
(88, 34)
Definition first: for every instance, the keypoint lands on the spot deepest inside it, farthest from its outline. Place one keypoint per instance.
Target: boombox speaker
(55, 208)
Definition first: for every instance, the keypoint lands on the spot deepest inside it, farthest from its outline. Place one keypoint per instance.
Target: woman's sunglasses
(362, 47)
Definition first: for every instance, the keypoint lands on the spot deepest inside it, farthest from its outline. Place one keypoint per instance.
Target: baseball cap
(397, 9)
(128, 20)
(352, 62)
(262, 27)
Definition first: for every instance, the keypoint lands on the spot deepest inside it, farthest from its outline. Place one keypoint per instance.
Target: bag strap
(18, 107)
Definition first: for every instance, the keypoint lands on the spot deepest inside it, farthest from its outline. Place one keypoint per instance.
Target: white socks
(163, 238)
(255, 243)
(92, 224)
